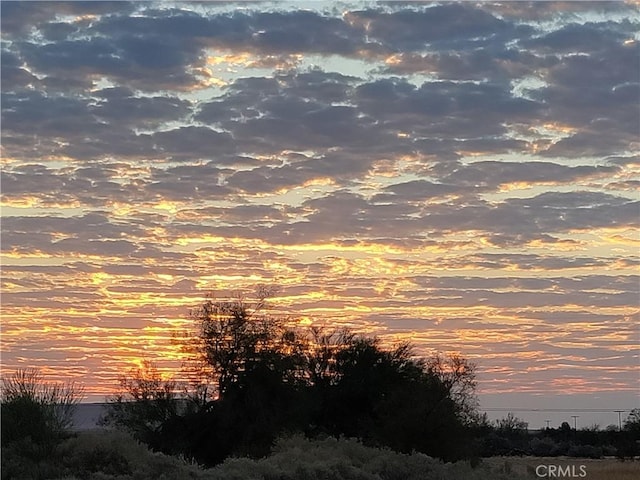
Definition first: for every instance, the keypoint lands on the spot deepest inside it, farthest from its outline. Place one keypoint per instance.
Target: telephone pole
(575, 421)
(619, 419)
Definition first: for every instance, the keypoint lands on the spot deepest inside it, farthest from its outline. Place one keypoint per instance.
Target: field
(112, 455)
(567, 467)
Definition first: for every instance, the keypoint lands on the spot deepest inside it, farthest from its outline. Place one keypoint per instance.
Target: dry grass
(602, 469)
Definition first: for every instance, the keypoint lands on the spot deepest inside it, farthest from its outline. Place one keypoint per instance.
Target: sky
(460, 175)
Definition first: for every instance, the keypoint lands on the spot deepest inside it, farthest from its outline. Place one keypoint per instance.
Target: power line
(553, 410)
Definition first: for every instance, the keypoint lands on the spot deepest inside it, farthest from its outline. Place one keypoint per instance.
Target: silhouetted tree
(234, 337)
(257, 368)
(385, 396)
(632, 422)
(511, 424)
(628, 443)
(458, 376)
(360, 375)
(270, 378)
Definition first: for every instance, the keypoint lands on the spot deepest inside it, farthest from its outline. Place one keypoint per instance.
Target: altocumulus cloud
(460, 174)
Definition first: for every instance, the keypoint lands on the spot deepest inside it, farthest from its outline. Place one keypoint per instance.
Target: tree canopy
(269, 378)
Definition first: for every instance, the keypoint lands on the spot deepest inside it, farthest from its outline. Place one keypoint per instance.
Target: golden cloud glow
(104, 259)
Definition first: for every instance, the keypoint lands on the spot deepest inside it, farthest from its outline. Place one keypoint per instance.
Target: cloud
(121, 106)
(541, 11)
(439, 26)
(499, 65)
(459, 173)
(19, 18)
(581, 38)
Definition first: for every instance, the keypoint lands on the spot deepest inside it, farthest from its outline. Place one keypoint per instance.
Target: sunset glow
(461, 175)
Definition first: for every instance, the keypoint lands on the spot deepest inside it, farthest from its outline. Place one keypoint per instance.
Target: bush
(99, 452)
(584, 451)
(36, 417)
(101, 455)
(26, 460)
(495, 445)
(544, 447)
(107, 454)
(297, 458)
(115, 455)
(35, 409)
(144, 405)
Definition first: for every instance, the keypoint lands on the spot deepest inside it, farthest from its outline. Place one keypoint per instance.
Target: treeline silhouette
(266, 379)
(259, 382)
(510, 436)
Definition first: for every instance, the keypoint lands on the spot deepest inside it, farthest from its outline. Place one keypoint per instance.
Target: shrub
(297, 458)
(585, 451)
(36, 417)
(146, 402)
(115, 455)
(36, 409)
(544, 447)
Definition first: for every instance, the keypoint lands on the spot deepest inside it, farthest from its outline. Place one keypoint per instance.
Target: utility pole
(575, 421)
(619, 419)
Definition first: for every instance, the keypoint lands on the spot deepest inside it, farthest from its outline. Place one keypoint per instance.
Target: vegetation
(510, 437)
(266, 379)
(276, 402)
(144, 405)
(114, 455)
(263, 379)
(99, 455)
(298, 458)
(36, 417)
